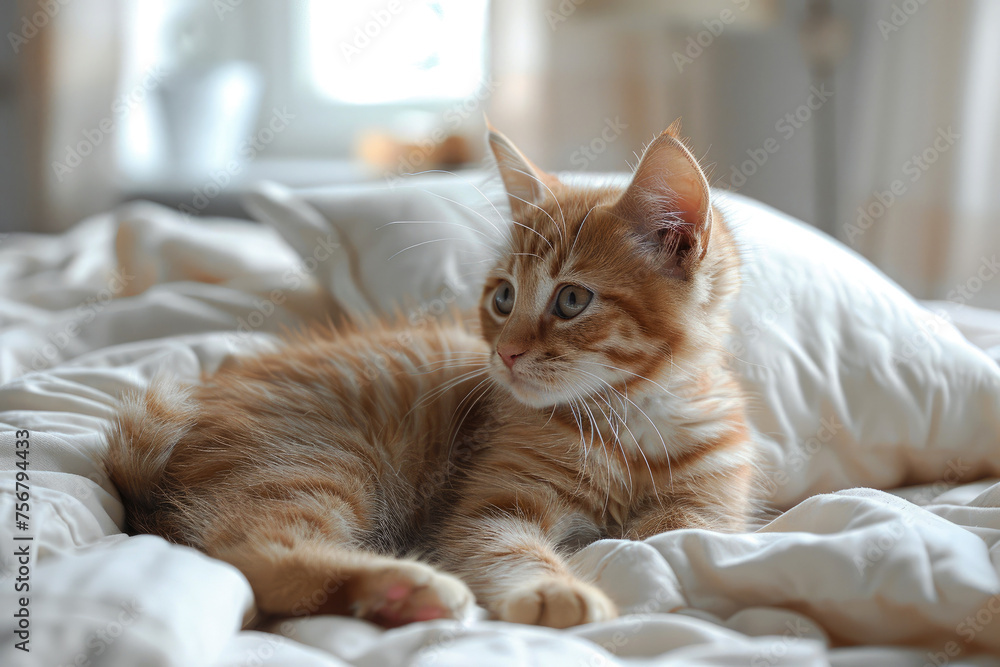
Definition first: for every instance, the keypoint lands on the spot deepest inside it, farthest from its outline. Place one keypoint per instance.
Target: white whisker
(622, 370)
(534, 205)
(638, 445)
(470, 184)
(417, 245)
(453, 223)
(554, 198)
(580, 229)
(500, 235)
(468, 411)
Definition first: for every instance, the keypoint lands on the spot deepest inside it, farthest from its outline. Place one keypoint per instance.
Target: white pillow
(419, 246)
(852, 383)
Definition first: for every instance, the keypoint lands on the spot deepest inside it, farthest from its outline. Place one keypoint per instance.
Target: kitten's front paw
(403, 592)
(556, 603)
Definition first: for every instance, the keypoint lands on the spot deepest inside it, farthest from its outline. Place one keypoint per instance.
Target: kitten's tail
(141, 440)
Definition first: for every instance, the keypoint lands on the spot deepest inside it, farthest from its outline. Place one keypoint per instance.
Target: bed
(878, 420)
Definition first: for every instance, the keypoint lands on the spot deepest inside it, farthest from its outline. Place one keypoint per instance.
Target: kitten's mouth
(528, 390)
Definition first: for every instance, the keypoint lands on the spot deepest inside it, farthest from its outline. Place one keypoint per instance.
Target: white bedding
(857, 577)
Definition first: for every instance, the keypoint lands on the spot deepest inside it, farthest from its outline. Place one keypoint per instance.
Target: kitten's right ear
(669, 202)
(524, 182)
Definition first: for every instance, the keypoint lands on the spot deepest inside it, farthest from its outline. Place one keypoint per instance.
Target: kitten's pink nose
(510, 354)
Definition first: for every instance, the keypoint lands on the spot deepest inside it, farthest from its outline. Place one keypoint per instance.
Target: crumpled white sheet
(846, 578)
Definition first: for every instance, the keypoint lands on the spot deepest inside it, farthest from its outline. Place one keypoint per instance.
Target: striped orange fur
(592, 402)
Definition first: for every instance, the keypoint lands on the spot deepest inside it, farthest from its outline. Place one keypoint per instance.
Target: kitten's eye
(503, 300)
(572, 300)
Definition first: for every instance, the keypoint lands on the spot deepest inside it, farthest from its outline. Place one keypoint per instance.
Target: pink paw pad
(398, 592)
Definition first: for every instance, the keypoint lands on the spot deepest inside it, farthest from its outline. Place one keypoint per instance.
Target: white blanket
(859, 577)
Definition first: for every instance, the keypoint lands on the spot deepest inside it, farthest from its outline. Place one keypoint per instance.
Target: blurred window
(334, 71)
(396, 51)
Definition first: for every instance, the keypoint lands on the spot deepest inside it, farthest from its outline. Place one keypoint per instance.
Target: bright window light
(385, 51)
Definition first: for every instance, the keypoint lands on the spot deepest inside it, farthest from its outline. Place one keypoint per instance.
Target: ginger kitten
(595, 402)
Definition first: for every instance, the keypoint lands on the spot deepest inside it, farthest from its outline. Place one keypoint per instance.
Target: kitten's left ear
(668, 199)
(525, 183)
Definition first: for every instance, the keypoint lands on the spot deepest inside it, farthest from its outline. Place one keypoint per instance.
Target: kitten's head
(609, 285)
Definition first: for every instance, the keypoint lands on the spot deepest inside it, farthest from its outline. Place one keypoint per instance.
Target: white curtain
(78, 159)
(919, 171)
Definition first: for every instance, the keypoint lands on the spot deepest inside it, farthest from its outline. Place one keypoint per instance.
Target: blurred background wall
(878, 121)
